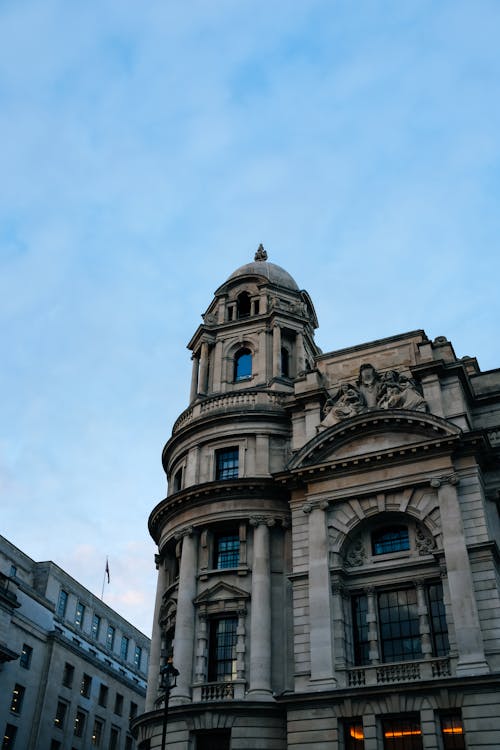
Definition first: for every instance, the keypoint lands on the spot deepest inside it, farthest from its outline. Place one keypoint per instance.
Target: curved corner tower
(223, 531)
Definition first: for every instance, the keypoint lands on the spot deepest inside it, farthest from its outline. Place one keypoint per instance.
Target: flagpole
(106, 573)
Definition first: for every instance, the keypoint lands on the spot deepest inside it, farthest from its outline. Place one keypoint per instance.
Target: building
(328, 562)
(72, 671)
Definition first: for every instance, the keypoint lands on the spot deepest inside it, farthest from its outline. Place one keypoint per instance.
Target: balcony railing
(250, 399)
(405, 671)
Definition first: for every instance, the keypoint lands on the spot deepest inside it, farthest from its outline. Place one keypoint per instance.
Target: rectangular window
(402, 734)
(226, 463)
(86, 685)
(178, 480)
(16, 702)
(62, 603)
(359, 605)
(399, 625)
(124, 647)
(13, 571)
(222, 649)
(55, 745)
(227, 551)
(437, 620)
(354, 737)
(68, 675)
(103, 695)
(26, 654)
(119, 704)
(110, 637)
(133, 710)
(128, 742)
(114, 738)
(97, 732)
(452, 731)
(137, 657)
(213, 740)
(61, 710)
(96, 626)
(80, 612)
(79, 727)
(9, 737)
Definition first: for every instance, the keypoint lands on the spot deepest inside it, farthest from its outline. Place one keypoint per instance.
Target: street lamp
(168, 680)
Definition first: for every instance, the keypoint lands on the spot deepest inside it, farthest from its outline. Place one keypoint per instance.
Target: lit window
(79, 726)
(354, 737)
(243, 365)
(80, 612)
(9, 737)
(226, 463)
(26, 654)
(402, 734)
(86, 685)
(124, 647)
(96, 626)
(68, 674)
(227, 551)
(137, 657)
(452, 732)
(110, 637)
(60, 716)
(97, 732)
(390, 539)
(222, 649)
(62, 603)
(16, 702)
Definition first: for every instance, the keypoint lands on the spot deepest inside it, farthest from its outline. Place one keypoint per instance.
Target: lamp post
(168, 680)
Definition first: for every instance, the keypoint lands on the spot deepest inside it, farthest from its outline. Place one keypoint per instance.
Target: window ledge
(241, 570)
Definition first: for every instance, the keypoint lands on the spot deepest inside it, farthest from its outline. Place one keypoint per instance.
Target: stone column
(217, 367)
(320, 614)
(155, 649)
(194, 378)
(202, 650)
(202, 384)
(371, 619)
(262, 357)
(260, 619)
(300, 354)
(423, 621)
(276, 351)
(184, 623)
(471, 658)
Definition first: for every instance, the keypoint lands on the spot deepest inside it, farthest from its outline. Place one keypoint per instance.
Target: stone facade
(328, 563)
(72, 671)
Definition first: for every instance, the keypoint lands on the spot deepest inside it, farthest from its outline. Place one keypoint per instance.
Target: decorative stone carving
(261, 253)
(356, 554)
(371, 390)
(423, 540)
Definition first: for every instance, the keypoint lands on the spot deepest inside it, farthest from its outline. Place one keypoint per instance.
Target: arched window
(243, 305)
(390, 539)
(285, 363)
(243, 365)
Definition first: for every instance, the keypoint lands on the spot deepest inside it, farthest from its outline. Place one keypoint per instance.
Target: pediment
(221, 592)
(375, 433)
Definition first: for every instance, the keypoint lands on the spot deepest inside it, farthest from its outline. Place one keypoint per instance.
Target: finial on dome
(261, 253)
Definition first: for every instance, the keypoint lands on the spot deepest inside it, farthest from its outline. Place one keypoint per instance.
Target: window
(62, 603)
(114, 738)
(243, 365)
(137, 657)
(402, 734)
(86, 685)
(227, 551)
(243, 305)
(16, 702)
(103, 695)
(398, 621)
(124, 647)
(110, 637)
(128, 742)
(61, 710)
(26, 654)
(178, 480)
(452, 731)
(226, 463)
(79, 726)
(97, 732)
(80, 612)
(55, 745)
(285, 363)
(133, 711)
(96, 626)
(222, 649)
(68, 675)
(213, 740)
(354, 737)
(13, 571)
(119, 704)
(390, 539)
(9, 737)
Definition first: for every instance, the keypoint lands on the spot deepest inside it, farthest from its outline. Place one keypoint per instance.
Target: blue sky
(146, 150)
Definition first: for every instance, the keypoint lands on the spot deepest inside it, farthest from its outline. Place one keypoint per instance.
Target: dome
(261, 267)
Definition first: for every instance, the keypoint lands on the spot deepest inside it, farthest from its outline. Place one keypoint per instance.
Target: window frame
(227, 463)
(218, 648)
(26, 656)
(242, 373)
(225, 559)
(392, 543)
(96, 626)
(124, 647)
(17, 699)
(79, 615)
(62, 603)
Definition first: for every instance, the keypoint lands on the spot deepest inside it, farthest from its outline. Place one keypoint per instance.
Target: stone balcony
(247, 400)
(219, 691)
(397, 672)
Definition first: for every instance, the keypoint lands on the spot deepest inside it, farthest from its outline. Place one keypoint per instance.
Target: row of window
(405, 733)
(95, 629)
(86, 689)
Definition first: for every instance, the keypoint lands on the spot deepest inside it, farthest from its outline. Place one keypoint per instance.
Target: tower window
(243, 365)
(243, 305)
(178, 480)
(227, 551)
(226, 463)
(390, 539)
(285, 363)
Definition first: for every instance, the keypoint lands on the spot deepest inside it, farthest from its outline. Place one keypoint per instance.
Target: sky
(146, 150)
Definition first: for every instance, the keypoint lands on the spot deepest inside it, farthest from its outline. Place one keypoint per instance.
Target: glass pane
(392, 539)
(399, 625)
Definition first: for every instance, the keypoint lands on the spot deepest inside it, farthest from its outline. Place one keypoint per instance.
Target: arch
(242, 365)
(243, 305)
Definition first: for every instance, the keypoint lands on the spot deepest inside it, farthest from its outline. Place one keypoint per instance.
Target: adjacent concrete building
(328, 562)
(72, 671)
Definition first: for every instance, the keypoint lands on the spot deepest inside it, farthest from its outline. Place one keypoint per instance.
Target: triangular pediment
(375, 433)
(221, 592)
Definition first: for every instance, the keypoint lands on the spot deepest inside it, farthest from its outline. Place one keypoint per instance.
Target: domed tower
(223, 606)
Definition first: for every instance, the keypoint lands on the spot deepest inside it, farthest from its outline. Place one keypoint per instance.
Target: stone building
(72, 671)
(328, 562)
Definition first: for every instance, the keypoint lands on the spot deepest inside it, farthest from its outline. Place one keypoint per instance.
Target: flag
(106, 570)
